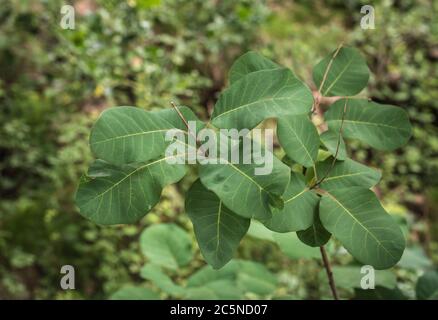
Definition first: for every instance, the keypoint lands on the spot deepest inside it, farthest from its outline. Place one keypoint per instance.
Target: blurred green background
(55, 82)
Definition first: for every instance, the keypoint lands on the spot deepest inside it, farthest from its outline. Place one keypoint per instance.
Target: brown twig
(337, 147)
(198, 143)
(329, 272)
(319, 97)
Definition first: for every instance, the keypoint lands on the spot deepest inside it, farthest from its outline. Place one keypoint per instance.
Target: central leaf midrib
(358, 222)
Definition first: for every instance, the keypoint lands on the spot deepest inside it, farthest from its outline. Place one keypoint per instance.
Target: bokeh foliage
(55, 82)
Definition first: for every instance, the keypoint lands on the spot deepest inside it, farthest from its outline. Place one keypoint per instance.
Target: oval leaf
(241, 188)
(261, 95)
(299, 139)
(113, 195)
(166, 245)
(330, 141)
(217, 229)
(124, 135)
(316, 235)
(250, 62)
(383, 127)
(347, 75)
(356, 218)
(299, 205)
(345, 174)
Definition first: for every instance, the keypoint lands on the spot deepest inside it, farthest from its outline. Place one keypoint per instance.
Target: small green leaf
(217, 229)
(299, 138)
(383, 127)
(293, 248)
(346, 173)
(347, 75)
(250, 62)
(330, 141)
(114, 195)
(260, 95)
(427, 286)
(256, 278)
(316, 235)
(166, 245)
(134, 293)
(154, 274)
(299, 204)
(356, 218)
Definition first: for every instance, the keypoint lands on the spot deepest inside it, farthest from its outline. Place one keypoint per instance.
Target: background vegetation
(55, 82)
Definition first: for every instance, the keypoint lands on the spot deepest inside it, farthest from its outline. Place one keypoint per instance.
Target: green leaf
(208, 274)
(427, 286)
(134, 293)
(299, 138)
(349, 277)
(356, 218)
(259, 231)
(215, 290)
(330, 141)
(260, 95)
(124, 194)
(316, 235)
(236, 278)
(154, 274)
(293, 248)
(248, 63)
(299, 204)
(166, 245)
(239, 187)
(124, 135)
(256, 278)
(345, 174)
(383, 127)
(414, 258)
(347, 75)
(217, 229)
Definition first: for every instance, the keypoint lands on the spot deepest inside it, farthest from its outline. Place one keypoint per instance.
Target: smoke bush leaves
(383, 127)
(319, 193)
(346, 73)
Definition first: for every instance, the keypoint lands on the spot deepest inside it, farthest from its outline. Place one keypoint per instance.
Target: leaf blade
(218, 230)
(299, 139)
(260, 95)
(383, 127)
(347, 74)
(356, 218)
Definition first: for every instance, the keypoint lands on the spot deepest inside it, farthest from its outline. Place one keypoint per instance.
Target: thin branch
(193, 134)
(329, 272)
(319, 96)
(337, 147)
(324, 78)
(180, 115)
